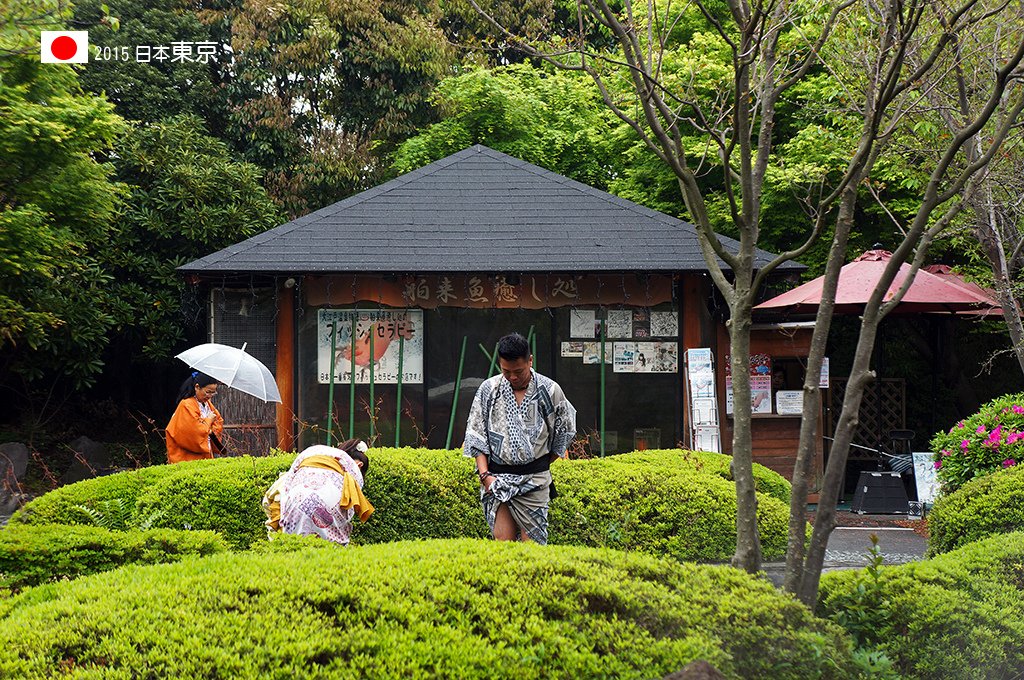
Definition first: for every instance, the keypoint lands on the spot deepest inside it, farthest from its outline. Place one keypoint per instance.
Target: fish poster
(379, 334)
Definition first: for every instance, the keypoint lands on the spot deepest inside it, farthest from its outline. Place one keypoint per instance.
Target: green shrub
(959, 615)
(663, 502)
(993, 504)
(644, 504)
(990, 440)
(221, 495)
(766, 480)
(34, 554)
(456, 609)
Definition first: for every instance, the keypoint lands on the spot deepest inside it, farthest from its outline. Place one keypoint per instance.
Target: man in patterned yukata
(519, 423)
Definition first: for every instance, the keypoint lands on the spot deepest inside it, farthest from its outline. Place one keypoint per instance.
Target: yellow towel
(352, 497)
(272, 506)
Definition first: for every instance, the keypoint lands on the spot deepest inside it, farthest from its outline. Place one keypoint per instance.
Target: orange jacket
(188, 433)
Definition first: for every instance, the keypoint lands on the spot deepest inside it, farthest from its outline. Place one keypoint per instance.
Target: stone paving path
(899, 541)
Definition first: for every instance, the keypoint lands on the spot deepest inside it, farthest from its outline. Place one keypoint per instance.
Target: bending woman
(322, 492)
(196, 426)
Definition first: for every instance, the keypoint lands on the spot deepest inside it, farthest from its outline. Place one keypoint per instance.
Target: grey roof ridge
(326, 211)
(668, 220)
(430, 168)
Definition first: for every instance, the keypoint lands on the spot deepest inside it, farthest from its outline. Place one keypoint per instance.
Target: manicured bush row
(220, 495)
(661, 502)
(30, 555)
(642, 503)
(457, 609)
(956, 616)
(766, 480)
(985, 506)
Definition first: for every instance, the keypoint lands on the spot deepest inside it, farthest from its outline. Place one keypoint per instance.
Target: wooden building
(435, 266)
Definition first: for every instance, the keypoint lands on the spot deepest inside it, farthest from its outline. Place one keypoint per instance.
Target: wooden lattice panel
(249, 427)
(868, 433)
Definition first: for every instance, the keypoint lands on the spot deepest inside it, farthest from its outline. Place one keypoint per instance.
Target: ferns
(117, 514)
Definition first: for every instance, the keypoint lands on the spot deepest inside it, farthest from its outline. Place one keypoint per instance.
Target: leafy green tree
(188, 198)
(318, 91)
(57, 203)
(553, 119)
(144, 83)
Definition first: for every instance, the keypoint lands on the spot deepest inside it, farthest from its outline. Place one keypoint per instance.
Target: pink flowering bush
(990, 440)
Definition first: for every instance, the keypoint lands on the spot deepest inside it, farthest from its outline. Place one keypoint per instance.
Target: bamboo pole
(352, 386)
(330, 383)
(398, 398)
(494, 360)
(373, 405)
(455, 395)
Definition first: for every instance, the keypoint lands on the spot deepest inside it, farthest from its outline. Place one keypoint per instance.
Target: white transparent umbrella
(233, 367)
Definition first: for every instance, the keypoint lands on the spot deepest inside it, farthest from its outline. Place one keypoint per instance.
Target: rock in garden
(90, 460)
(13, 460)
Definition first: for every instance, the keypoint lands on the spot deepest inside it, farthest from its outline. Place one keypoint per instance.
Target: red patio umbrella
(945, 272)
(929, 293)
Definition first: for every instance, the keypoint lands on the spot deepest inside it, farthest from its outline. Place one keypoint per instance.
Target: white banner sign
(386, 326)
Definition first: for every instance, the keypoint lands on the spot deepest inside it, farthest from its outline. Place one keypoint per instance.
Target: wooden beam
(285, 368)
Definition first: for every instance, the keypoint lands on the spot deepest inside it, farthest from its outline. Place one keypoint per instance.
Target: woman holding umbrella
(196, 426)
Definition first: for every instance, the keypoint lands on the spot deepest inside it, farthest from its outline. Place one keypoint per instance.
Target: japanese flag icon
(64, 47)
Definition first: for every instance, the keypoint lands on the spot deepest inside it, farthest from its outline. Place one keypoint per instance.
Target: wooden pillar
(690, 320)
(286, 367)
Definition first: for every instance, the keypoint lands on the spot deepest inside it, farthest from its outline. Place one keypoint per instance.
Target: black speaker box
(880, 493)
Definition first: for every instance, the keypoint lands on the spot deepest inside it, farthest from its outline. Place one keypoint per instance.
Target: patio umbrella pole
(600, 360)
(352, 384)
(330, 383)
(373, 406)
(878, 392)
(398, 398)
(455, 395)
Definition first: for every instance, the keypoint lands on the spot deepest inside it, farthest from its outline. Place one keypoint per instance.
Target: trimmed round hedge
(985, 506)
(661, 502)
(956, 616)
(459, 609)
(31, 555)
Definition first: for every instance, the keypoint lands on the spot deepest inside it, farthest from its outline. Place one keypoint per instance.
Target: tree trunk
(825, 519)
(748, 540)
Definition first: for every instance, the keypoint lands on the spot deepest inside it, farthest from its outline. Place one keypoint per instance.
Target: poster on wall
(789, 402)
(386, 326)
(641, 323)
(664, 324)
(572, 348)
(620, 323)
(760, 394)
(582, 323)
(644, 357)
(760, 384)
(624, 357)
(666, 357)
(592, 352)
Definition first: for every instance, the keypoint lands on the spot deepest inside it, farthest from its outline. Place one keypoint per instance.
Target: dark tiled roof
(477, 210)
